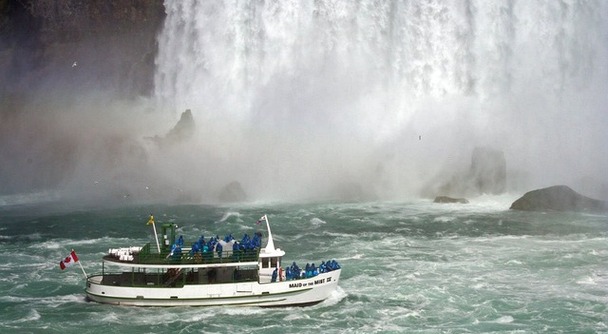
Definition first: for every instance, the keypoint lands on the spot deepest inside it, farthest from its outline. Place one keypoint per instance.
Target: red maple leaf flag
(261, 220)
(69, 260)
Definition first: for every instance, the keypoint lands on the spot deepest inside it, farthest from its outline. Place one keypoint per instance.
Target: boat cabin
(269, 265)
(172, 268)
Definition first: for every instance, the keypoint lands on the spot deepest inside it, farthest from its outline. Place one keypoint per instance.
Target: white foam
(48, 245)
(588, 280)
(317, 222)
(335, 297)
(33, 315)
(296, 316)
(50, 301)
(227, 215)
(444, 219)
(240, 310)
(505, 319)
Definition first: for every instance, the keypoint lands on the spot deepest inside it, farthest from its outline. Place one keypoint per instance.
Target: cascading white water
(413, 84)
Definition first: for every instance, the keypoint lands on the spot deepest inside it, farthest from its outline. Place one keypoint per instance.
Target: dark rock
(74, 46)
(487, 174)
(558, 198)
(447, 199)
(233, 192)
(352, 192)
(488, 171)
(184, 129)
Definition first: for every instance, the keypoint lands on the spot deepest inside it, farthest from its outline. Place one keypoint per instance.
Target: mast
(151, 222)
(270, 244)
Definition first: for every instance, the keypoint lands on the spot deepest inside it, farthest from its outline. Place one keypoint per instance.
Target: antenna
(270, 244)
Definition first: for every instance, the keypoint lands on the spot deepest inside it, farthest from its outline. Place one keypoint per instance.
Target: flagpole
(155, 234)
(80, 264)
(84, 272)
(270, 243)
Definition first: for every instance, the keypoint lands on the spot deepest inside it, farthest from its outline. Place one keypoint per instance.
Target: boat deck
(148, 256)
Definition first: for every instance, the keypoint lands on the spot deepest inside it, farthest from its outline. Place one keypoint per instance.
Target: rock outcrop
(487, 174)
(184, 129)
(558, 198)
(232, 192)
(447, 199)
(351, 192)
(488, 171)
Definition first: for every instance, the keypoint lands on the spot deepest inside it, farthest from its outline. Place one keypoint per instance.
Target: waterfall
(421, 80)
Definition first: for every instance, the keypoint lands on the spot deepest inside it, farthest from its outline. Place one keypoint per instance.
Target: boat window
(265, 262)
(273, 262)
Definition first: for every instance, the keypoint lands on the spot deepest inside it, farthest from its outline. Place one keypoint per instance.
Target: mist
(332, 100)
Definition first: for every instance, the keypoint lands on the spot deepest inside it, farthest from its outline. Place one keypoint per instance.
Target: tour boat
(172, 275)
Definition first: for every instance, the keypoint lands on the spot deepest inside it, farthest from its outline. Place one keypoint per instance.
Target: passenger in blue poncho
(322, 267)
(195, 249)
(218, 249)
(245, 239)
(235, 251)
(257, 240)
(295, 270)
(332, 265)
(212, 243)
(274, 275)
(176, 252)
(288, 273)
(207, 253)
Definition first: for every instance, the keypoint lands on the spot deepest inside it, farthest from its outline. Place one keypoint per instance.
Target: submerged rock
(558, 198)
(447, 199)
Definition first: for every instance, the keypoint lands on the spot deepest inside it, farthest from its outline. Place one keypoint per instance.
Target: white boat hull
(286, 293)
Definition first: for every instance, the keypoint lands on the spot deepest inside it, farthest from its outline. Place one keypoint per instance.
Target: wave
(29, 198)
(61, 243)
(317, 222)
(49, 301)
(228, 215)
(335, 298)
(33, 315)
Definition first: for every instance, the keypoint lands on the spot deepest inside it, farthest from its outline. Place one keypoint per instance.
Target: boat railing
(149, 255)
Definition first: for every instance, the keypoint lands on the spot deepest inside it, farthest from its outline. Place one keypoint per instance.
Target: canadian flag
(69, 260)
(261, 220)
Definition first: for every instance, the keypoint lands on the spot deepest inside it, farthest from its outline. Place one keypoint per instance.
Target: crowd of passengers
(294, 272)
(215, 245)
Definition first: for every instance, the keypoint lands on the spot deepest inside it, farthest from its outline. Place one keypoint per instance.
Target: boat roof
(275, 252)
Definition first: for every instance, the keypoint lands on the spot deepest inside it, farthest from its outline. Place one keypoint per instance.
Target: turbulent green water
(414, 267)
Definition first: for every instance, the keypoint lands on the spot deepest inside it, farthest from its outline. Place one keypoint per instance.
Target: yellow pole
(151, 221)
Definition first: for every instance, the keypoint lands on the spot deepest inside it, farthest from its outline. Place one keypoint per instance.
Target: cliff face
(75, 44)
(62, 64)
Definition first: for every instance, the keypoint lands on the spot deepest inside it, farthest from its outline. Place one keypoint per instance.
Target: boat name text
(301, 284)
